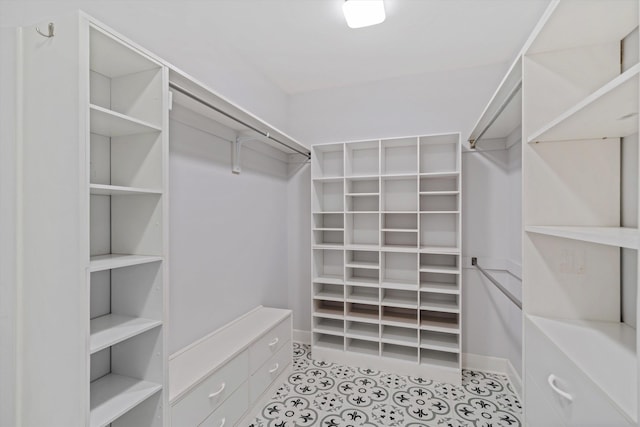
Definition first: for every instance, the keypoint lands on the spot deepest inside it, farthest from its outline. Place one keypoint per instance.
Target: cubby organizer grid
(386, 253)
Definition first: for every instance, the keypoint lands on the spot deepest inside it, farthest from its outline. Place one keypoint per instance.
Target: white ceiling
(305, 45)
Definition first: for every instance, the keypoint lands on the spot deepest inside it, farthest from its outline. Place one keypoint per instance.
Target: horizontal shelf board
(109, 123)
(361, 336)
(327, 212)
(439, 212)
(328, 179)
(113, 328)
(439, 193)
(328, 229)
(329, 314)
(403, 286)
(362, 194)
(362, 281)
(400, 340)
(113, 395)
(329, 280)
(399, 248)
(609, 112)
(439, 325)
(390, 176)
(361, 264)
(442, 307)
(362, 177)
(329, 296)
(363, 316)
(115, 190)
(448, 174)
(440, 288)
(441, 344)
(400, 230)
(328, 246)
(329, 330)
(362, 299)
(361, 212)
(362, 247)
(612, 236)
(399, 320)
(604, 351)
(446, 250)
(439, 269)
(413, 212)
(111, 261)
(401, 302)
(442, 359)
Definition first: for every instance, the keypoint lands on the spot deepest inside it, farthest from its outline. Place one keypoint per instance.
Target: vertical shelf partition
(386, 254)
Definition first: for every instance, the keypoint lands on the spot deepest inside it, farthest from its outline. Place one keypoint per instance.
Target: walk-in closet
(297, 213)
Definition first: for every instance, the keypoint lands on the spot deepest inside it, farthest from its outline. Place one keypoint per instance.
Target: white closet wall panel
(629, 196)
(228, 233)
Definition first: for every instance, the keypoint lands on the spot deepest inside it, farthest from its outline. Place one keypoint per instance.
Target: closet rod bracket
(236, 151)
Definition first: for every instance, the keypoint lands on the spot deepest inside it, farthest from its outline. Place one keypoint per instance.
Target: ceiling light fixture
(363, 13)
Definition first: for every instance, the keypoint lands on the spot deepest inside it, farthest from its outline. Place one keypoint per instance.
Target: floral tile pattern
(331, 395)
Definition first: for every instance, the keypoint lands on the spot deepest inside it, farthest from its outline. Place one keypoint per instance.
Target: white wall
(228, 246)
(7, 229)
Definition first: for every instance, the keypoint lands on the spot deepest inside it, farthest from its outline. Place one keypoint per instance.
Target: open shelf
(444, 303)
(365, 331)
(111, 329)
(612, 236)
(588, 343)
(360, 185)
(115, 190)
(363, 202)
(365, 347)
(332, 342)
(329, 292)
(609, 112)
(399, 156)
(362, 158)
(363, 312)
(440, 341)
(400, 352)
(331, 221)
(399, 285)
(440, 358)
(328, 161)
(111, 261)
(328, 196)
(364, 295)
(439, 153)
(401, 317)
(397, 298)
(400, 336)
(399, 194)
(328, 326)
(439, 263)
(113, 395)
(109, 123)
(439, 287)
(444, 250)
(329, 309)
(439, 322)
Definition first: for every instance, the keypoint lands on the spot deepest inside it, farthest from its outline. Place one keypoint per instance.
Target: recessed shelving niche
(386, 258)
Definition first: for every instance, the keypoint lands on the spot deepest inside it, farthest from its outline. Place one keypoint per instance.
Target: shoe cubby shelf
(386, 248)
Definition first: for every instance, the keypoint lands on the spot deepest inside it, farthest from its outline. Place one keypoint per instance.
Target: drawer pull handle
(275, 368)
(215, 393)
(224, 420)
(552, 383)
(274, 342)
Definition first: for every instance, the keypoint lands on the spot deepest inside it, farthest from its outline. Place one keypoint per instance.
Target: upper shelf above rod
(501, 120)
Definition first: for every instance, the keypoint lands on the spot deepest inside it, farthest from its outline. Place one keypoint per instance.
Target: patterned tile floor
(331, 395)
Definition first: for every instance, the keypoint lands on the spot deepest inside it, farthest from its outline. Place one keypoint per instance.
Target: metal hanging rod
(237, 120)
(516, 301)
(514, 91)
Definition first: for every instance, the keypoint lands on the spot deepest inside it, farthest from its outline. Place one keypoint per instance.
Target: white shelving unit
(576, 115)
(101, 212)
(386, 254)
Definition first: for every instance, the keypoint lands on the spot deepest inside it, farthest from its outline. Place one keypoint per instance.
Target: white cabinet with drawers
(217, 380)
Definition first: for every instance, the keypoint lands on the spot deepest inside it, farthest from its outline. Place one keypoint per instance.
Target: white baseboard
(303, 337)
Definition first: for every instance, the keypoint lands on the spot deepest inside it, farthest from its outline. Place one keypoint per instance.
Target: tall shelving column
(94, 229)
(580, 105)
(128, 118)
(394, 299)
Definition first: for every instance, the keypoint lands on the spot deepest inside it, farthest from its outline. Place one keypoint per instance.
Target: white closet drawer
(208, 395)
(268, 372)
(230, 412)
(550, 368)
(269, 344)
(539, 412)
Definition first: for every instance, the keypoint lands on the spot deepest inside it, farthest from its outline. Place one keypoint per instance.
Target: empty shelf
(441, 306)
(438, 358)
(327, 246)
(111, 261)
(401, 336)
(363, 264)
(401, 230)
(439, 174)
(109, 123)
(400, 301)
(439, 324)
(328, 229)
(329, 330)
(370, 316)
(366, 347)
(400, 285)
(400, 320)
(329, 279)
(331, 342)
(611, 111)
(439, 193)
(446, 343)
(613, 236)
(447, 250)
(400, 352)
(440, 288)
(113, 395)
(115, 190)
(329, 313)
(329, 295)
(365, 331)
(362, 281)
(113, 328)
(399, 248)
(361, 194)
